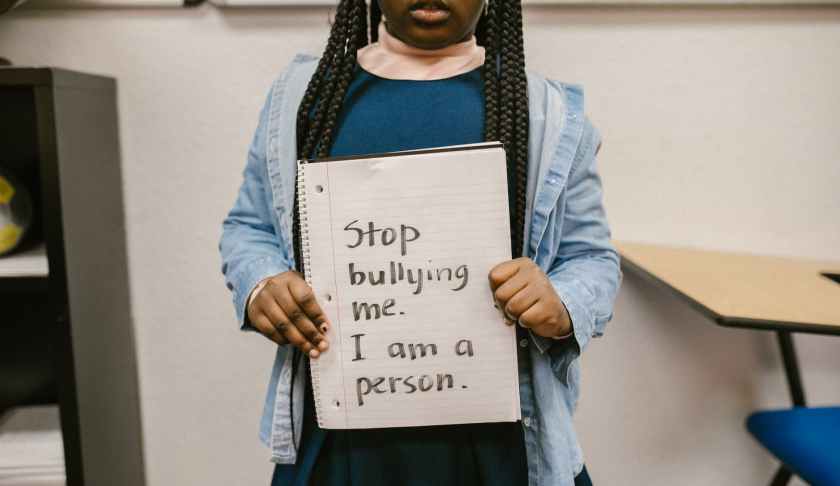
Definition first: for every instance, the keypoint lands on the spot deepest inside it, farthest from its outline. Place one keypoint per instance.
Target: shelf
(31, 450)
(29, 263)
(63, 129)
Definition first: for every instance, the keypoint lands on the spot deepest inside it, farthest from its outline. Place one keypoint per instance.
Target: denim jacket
(566, 234)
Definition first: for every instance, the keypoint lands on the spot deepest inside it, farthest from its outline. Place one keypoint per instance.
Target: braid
(375, 18)
(487, 34)
(314, 87)
(338, 36)
(357, 34)
(361, 25)
(521, 115)
(318, 111)
(506, 102)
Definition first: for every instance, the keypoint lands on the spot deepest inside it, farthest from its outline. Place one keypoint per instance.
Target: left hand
(525, 294)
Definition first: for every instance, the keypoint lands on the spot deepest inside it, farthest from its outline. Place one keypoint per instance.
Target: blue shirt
(566, 235)
(384, 115)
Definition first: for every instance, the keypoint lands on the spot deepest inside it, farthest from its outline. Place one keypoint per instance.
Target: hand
(525, 295)
(285, 310)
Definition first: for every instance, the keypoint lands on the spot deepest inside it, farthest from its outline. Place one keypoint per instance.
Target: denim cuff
(248, 278)
(564, 352)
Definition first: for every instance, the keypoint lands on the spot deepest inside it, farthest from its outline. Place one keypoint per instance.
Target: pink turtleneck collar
(392, 58)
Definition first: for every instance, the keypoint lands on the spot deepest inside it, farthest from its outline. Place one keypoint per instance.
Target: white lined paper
(457, 201)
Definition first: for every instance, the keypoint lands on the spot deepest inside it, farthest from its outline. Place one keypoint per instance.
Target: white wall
(719, 130)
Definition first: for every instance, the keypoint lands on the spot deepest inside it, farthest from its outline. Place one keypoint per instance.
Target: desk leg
(797, 394)
(782, 477)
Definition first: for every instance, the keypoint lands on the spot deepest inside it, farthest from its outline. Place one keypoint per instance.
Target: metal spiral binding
(307, 275)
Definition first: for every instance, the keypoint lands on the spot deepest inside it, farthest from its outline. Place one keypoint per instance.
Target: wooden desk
(742, 290)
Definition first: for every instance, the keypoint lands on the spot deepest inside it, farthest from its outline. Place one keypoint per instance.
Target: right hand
(285, 310)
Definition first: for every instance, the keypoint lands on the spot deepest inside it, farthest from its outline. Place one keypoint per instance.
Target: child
(434, 73)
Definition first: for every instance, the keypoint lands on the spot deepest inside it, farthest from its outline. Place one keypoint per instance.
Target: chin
(431, 37)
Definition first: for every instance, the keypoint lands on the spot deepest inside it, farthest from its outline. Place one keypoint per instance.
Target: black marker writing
(398, 350)
(358, 338)
(386, 236)
(408, 384)
(374, 311)
(398, 272)
(464, 347)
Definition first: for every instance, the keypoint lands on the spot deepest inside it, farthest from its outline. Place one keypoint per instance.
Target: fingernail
(323, 345)
(314, 353)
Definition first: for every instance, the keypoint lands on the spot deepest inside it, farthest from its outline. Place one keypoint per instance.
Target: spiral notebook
(397, 248)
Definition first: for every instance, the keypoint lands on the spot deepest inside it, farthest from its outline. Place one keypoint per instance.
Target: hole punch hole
(336, 403)
(328, 297)
(319, 188)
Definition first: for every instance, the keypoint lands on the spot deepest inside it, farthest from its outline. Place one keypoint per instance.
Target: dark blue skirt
(462, 455)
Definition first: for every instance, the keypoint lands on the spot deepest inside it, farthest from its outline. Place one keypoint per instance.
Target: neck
(394, 59)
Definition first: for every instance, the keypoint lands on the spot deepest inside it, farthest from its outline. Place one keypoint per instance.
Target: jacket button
(523, 343)
(526, 421)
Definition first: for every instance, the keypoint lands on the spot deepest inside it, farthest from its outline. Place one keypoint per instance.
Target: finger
(284, 326)
(264, 326)
(536, 319)
(521, 302)
(531, 317)
(263, 316)
(299, 340)
(502, 272)
(508, 289)
(299, 319)
(305, 298)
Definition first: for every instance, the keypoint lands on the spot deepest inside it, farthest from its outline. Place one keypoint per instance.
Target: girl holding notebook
(411, 74)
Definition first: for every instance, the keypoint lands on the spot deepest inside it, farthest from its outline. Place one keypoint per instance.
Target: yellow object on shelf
(15, 212)
(7, 190)
(9, 237)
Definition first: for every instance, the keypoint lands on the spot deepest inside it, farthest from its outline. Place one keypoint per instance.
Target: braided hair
(499, 31)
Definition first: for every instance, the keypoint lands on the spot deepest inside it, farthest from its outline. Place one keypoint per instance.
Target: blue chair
(806, 441)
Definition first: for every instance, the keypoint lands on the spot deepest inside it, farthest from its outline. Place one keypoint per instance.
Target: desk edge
(728, 321)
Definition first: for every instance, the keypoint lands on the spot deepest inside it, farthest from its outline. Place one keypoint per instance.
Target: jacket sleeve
(250, 248)
(585, 272)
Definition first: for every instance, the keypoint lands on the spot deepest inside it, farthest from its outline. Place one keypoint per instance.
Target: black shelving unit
(66, 296)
